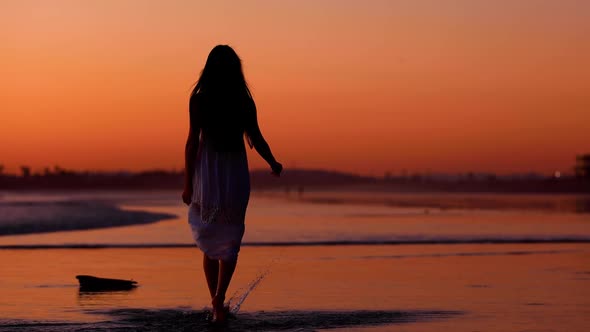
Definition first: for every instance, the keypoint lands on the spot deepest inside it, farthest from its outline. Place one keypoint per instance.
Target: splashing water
(234, 308)
(239, 299)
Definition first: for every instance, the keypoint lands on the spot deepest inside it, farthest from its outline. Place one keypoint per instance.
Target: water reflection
(104, 298)
(295, 320)
(456, 201)
(187, 320)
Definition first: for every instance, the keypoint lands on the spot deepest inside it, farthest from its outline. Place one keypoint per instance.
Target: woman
(217, 181)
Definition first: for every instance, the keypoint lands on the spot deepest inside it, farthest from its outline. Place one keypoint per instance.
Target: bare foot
(219, 311)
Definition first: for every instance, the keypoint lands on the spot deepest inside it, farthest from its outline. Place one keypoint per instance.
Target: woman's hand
(277, 168)
(187, 195)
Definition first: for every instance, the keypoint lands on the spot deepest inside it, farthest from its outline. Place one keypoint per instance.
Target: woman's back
(222, 119)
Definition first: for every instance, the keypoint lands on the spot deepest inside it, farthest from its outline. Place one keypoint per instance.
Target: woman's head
(222, 73)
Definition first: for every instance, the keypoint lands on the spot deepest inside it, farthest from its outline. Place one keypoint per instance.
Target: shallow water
(494, 287)
(308, 285)
(190, 320)
(286, 219)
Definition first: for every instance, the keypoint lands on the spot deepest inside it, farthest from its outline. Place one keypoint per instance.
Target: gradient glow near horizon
(360, 86)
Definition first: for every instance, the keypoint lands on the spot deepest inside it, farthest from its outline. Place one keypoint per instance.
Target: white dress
(221, 190)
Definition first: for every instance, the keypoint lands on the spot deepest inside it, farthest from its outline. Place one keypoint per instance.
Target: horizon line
(57, 170)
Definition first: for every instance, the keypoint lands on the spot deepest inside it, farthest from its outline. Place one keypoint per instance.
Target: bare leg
(211, 267)
(226, 271)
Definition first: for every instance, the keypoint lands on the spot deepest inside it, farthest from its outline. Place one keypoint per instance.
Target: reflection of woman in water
(217, 181)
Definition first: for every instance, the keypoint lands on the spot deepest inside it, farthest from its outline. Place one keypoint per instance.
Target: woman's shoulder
(202, 100)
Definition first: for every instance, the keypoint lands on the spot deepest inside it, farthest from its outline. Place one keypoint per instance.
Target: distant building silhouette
(583, 166)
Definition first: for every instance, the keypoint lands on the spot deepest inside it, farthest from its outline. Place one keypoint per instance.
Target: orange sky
(361, 86)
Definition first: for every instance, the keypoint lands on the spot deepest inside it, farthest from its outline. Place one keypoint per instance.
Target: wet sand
(496, 287)
(458, 286)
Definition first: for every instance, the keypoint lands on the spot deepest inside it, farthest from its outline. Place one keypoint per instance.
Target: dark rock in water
(91, 283)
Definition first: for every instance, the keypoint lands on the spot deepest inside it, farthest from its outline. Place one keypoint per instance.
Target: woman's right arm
(191, 150)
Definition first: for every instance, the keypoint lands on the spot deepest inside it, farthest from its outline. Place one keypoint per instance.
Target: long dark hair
(222, 84)
(222, 74)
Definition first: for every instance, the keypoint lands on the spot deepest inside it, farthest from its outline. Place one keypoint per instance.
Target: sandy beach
(308, 266)
(368, 288)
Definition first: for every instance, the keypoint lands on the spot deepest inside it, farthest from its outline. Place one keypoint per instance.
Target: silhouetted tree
(58, 170)
(1, 169)
(26, 171)
(583, 166)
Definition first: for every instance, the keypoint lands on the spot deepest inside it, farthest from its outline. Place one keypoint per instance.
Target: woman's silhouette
(217, 180)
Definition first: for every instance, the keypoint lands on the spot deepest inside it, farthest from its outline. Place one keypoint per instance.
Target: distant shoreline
(300, 180)
(490, 241)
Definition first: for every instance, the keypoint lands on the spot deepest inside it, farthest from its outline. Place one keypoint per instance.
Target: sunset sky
(359, 86)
